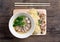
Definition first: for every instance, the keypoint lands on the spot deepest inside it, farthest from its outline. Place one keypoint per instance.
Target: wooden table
(53, 22)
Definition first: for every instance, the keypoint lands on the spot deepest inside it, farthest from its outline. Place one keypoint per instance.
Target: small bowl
(18, 35)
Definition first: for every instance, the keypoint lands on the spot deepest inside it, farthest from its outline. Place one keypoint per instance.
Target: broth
(22, 24)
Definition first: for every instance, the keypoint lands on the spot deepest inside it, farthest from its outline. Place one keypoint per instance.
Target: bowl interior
(18, 35)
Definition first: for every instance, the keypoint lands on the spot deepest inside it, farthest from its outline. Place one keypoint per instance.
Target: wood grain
(53, 21)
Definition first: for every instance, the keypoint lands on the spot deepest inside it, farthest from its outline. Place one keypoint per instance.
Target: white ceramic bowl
(18, 35)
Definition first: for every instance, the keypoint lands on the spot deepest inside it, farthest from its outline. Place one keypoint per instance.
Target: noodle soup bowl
(19, 35)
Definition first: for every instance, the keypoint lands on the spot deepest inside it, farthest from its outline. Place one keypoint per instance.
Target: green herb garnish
(19, 21)
(39, 22)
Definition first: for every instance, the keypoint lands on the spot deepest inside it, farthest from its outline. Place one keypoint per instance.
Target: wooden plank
(53, 13)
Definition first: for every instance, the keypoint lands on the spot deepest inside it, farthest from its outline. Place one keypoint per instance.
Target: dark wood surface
(53, 22)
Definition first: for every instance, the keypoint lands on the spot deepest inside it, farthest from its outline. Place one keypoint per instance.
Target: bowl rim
(14, 33)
